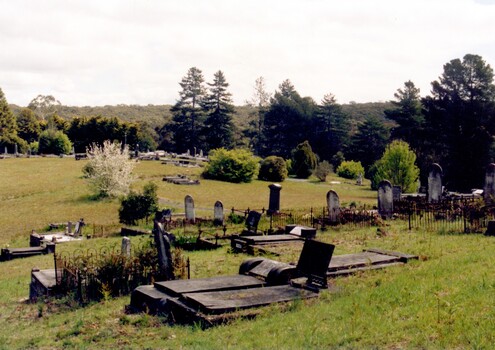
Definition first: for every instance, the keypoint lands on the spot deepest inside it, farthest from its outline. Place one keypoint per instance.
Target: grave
(251, 226)
(274, 201)
(181, 180)
(333, 205)
(396, 193)
(260, 282)
(16, 253)
(218, 216)
(189, 209)
(435, 183)
(489, 188)
(385, 199)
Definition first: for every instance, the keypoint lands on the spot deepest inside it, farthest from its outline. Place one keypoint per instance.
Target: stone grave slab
(177, 287)
(228, 301)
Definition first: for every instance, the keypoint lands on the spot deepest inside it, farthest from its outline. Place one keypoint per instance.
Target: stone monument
(385, 199)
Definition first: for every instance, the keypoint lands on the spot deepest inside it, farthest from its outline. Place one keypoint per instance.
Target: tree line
(454, 125)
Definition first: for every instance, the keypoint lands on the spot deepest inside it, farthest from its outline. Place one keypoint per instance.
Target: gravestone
(489, 189)
(218, 213)
(359, 180)
(5, 150)
(252, 221)
(15, 149)
(189, 208)
(396, 193)
(126, 247)
(162, 243)
(333, 204)
(435, 183)
(385, 199)
(274, 203)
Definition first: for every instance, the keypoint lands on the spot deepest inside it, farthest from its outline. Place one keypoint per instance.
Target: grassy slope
(443, 301)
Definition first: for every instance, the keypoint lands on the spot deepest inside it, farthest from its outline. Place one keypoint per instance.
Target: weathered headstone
(162, 243)
(5, 150)
(396, 193)
(333, 204)
(274, 202)
(489, 189)
(189, 209)
(218, 213)
(435, 183)
(385, 199)
(15, 149)
(359, 180)
(126, 247)
(252, 221)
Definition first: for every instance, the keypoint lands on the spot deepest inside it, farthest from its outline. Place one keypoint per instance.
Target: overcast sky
(107, 52)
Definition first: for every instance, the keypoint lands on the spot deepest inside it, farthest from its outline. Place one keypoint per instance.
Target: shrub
(109, 169)
(54, 142)
(398, 166)
(10, 140)
(322, 170)
(350, 169)
(303, 160)
(231, 165)
(139, 206)
(273, 168)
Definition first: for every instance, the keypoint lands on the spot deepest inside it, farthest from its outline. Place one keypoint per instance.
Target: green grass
(444, 300)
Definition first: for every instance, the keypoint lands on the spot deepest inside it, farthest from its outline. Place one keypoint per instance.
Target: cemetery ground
(444, 300)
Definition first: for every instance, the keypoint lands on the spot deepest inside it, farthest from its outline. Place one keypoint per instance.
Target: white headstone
(489, 189)
(435, 183)
(385, 199)
(189, 209)
(126, 246)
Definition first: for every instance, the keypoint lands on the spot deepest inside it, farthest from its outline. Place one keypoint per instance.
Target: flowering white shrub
(109, 169)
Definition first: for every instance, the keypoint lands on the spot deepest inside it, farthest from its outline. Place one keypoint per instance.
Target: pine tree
(218, 129)
(187, 113)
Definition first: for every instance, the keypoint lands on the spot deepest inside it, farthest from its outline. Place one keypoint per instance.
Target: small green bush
(237, 165)
(139, 206)
(54, 142)
(322, 170)
(350, 169)
(273, 168)
(303, 160)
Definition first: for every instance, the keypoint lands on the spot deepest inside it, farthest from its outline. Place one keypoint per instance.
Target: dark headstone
(162, 243)
(490, 229)
(314, 261)
(252, 221)
(385, 199)
(333, 204)
(396, 193)
(274, 203)
(218, 216)
(304, 232)
(435, 183)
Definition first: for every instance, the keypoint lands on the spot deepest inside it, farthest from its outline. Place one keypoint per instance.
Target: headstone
(69, 227)
(435, 183)
(359, 180)
(126, 247)
(162, 243)
(189, 208)
(252, 221)
(201, 153)
(489, 189)
(218, 213)
(333, 204)
(396, 193)
(385, 199)
(274, 202)
(15, 149)
(5, 150)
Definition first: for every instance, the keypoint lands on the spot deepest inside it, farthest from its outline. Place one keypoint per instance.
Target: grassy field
(444, 300)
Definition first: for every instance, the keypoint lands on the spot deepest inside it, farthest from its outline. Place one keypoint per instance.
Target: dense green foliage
(237, 165)
(54, 142)
(398, 165)
(350, 169)
(273, 169)
(138, 206)
(304, 160)
(322, 170)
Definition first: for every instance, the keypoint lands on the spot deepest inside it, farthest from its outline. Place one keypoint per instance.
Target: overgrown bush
(237, 165)
(138, 206)
(54, 142)
(303, 160)
(350, 169)
(10, 140)
(273, 168)
(322, 170)
(109, 169)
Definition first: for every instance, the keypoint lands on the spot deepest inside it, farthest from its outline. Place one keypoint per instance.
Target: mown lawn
(444, 300)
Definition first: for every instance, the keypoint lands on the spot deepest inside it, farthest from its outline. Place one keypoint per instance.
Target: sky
(94, 52)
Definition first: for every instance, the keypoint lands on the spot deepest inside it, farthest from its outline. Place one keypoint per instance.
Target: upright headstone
(489, 189)
(189, 209)
(359, 180)
(218, 213)
(201, 153)
(435, 183)
(274, 202)
(126, 247)
(5, 150)
(15, 149)
(252, 222)
(396, 193)
(385, 199)
(333, 204)
(162, 243)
